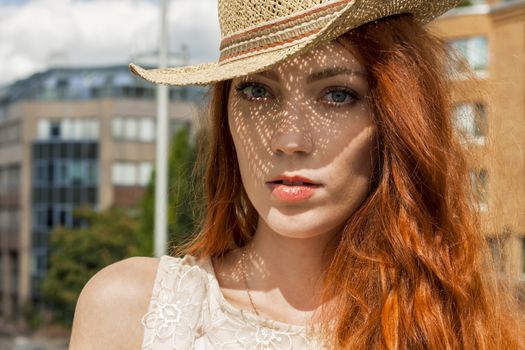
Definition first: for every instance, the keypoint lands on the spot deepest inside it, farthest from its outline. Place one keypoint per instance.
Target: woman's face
(304, 137)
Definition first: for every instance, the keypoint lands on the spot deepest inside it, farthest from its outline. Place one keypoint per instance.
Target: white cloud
(40, 33)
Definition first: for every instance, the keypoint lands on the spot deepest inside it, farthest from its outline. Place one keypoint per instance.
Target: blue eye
(340, 96)
(253, 91)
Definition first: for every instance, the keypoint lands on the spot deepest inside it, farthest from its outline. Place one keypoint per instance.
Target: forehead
(332, 55)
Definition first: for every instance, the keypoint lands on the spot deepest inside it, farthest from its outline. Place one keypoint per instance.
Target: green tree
(77, 254)
(182, 208)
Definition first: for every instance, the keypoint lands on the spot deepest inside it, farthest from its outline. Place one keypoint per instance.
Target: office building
(71, 137)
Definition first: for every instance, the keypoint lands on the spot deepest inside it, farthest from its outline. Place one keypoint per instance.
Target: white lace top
(187, 310)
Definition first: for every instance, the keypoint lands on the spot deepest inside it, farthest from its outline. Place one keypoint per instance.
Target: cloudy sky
(36, 34)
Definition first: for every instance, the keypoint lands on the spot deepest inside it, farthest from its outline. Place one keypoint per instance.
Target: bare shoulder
(110, 308)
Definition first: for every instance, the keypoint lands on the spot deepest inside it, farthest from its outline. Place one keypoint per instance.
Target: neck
(293, 267)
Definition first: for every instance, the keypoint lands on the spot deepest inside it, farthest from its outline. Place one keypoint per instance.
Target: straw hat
(257, 34)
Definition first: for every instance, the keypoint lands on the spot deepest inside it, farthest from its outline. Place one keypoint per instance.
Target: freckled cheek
(250, 136)
(251, 128)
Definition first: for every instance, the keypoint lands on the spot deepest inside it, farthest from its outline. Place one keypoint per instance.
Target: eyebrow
(331, 72)
(323, 74)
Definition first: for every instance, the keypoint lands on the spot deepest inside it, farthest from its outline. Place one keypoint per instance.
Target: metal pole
(161, 172)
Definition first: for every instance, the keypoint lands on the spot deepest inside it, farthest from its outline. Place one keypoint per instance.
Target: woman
(338, 210)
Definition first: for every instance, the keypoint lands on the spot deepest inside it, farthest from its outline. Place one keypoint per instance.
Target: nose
(291, 136)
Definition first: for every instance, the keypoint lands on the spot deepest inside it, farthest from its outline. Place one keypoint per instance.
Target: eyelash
(351, 93)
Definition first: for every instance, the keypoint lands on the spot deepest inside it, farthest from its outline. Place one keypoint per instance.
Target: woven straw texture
(257, 34)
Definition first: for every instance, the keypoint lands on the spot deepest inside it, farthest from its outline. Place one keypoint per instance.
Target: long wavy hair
(410, 270)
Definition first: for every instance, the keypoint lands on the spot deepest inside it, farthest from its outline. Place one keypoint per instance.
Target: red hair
(409, 271)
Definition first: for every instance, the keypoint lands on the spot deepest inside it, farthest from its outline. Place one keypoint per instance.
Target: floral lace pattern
(188, 311)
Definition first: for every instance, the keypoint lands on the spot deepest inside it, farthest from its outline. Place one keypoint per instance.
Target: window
(131, 173)
(124, 174)
(470, 120)
(145, 170)
(9, 178)
(131, 129)
(479, 183)
(68, 129)
(475, 51)
(90, 129)
(43, 129)
(92, 173)
(10, 133)
(147, 130)
(54, 129)
(117, 128)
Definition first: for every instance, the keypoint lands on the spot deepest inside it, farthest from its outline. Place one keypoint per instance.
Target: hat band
(285, 32)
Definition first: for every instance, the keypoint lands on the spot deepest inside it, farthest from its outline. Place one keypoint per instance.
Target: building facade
(490, 114)
(71, 137)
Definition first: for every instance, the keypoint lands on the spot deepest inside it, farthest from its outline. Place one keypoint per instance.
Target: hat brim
(354, 14)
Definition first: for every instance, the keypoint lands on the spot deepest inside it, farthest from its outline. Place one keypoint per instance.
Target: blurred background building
(490, 115)
(74, 137)
(71, 137)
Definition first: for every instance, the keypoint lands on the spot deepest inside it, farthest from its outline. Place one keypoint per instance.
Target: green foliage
(31, 315)
(77, 254)
(182, 212)
(181, 222)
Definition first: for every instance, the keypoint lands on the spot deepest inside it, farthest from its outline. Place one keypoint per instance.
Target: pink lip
(293, 193)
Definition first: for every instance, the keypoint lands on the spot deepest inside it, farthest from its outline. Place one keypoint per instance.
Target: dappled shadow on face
(302, 114)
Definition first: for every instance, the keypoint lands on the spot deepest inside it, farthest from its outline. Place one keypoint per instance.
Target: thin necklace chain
(245, 278)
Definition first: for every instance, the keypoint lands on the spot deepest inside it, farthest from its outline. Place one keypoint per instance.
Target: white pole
(161, 172)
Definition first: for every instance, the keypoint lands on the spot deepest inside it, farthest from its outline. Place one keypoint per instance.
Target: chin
(301, 225)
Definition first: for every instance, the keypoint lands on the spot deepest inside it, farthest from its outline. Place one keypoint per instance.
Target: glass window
(76, 172)
(147, 130)
(471, 122)
(92, 172)
(13, 177)
(145, 170)
(92, 151)
(92, 195)
(93, 129)
(63, 151)
(41, 172)
(78, 149)
(67, 129)
(475, 51)
(62, 168)
(124, 174)
(131, 129)
(117, 127)
(55, 129)
(76, 130)
(43, 129)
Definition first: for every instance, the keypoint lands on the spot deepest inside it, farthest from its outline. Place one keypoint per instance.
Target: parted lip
(293, 180)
